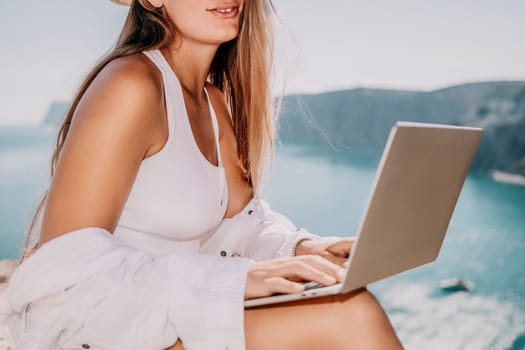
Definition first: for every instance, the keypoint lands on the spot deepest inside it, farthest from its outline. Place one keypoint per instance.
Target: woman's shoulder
(131, 73)
(128, 91)
(124, 98)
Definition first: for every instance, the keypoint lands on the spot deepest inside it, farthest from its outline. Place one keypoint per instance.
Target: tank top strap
(158, 59)
(170, 86)
(176, 102)
(215, 125)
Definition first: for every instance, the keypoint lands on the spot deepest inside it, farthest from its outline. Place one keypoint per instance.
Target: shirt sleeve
(256, 232)
(207, 303)
(89, 289)
(277, 233)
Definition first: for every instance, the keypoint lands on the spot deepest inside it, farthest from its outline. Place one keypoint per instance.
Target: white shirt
(90, 287)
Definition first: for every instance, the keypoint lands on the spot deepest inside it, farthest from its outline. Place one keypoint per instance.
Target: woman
(165, 144)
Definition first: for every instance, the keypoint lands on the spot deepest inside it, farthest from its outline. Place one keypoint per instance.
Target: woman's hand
(283, 274)
(332, 248)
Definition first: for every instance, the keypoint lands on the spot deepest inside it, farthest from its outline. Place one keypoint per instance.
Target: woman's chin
(223, 36)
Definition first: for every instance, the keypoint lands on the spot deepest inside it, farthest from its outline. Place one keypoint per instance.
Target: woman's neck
(191, 63)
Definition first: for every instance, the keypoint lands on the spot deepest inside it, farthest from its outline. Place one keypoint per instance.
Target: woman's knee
(359, 306)
(361, 309)
(359, 302)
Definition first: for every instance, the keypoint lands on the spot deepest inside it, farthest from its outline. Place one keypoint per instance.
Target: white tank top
(178, 195)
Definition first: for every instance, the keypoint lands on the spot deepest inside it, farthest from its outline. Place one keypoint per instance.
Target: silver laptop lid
(417, 184)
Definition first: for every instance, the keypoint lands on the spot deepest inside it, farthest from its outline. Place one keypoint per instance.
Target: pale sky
(48, 46)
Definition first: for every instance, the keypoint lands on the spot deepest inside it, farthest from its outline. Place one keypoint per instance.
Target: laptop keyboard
(312, 285)
(307, 286)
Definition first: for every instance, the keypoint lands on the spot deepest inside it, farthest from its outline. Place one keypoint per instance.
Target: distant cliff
(363, 117)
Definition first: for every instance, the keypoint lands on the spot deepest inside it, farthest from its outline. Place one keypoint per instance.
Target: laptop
(416, 187)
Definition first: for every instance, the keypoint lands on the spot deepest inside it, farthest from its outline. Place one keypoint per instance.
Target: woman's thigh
(273, 326)
(351, 321)
(290, 325)
(354, 320)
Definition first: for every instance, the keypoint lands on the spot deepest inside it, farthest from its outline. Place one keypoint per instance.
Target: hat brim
(122, 2)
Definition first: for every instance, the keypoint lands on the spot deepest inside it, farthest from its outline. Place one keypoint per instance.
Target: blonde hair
(241, 69)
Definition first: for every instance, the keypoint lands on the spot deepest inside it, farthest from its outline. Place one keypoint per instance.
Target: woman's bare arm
(113, 127)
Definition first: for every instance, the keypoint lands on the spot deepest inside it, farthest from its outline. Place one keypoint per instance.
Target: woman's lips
(225, 12)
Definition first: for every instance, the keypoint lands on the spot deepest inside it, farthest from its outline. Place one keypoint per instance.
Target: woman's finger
(342, 247)
(282, 285)
(304, 269)
(337, 260)
(328, 263)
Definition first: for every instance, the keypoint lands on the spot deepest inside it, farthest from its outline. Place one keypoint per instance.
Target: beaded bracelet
(297, 244)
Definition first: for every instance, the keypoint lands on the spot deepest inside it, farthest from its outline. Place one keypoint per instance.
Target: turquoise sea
(325, 190)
